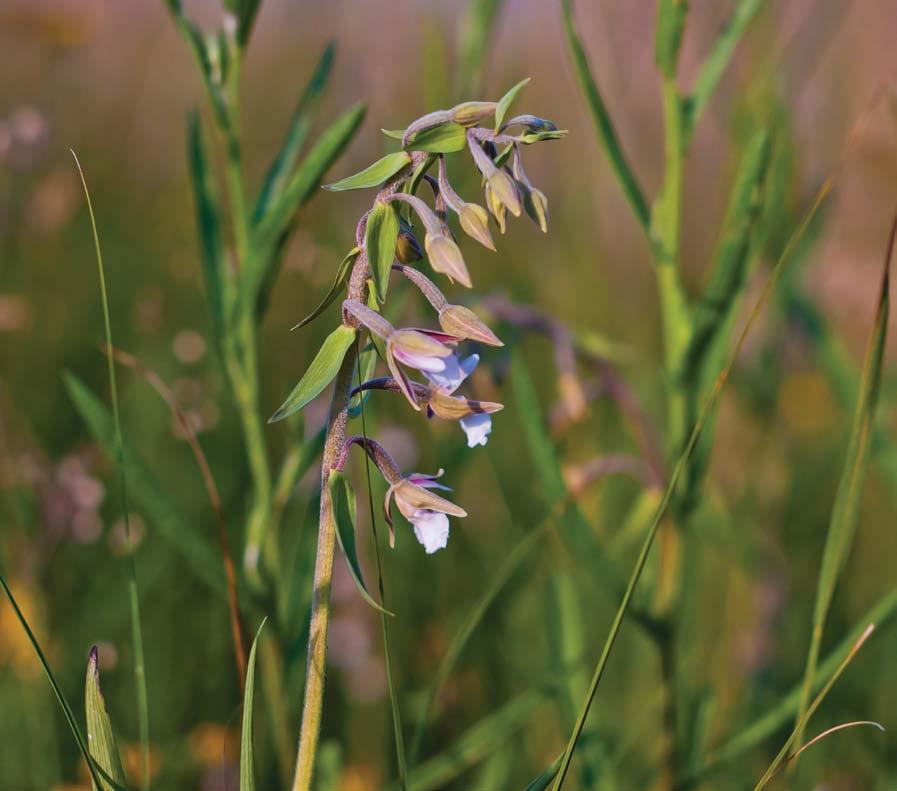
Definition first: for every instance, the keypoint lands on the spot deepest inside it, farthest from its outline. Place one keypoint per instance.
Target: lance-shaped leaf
(380, 237)
(100, 739)
(732, 254)
(842, 525)
(607, 134)
(297, 132)
(277, 222)
(342, 500)
(247, 750)
(506, 101)
(442, 139)
(148, 493)
(373, 175)
(209, 224)
(320, 373)
(394, 134)
(342, 275)
(245, 11)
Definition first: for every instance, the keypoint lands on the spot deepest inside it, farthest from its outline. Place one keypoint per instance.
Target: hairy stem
(320, 604)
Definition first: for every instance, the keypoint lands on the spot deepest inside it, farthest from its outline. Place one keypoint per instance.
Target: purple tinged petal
(477, 427)
(454, 373)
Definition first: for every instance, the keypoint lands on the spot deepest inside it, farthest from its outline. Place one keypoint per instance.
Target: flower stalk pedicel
(384, 236)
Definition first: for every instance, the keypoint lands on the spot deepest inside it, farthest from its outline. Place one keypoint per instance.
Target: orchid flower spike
(427, 512)
(445, 257)
(501, 185)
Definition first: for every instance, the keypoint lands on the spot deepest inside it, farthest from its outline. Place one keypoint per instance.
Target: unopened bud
(407, 247)
(496, 208)
(505, 190)
(475, 223)
(472, 113)
(463, 323)
(536, 205)
(445, 257)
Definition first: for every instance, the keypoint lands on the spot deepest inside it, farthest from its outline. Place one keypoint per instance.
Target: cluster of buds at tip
(425, 365)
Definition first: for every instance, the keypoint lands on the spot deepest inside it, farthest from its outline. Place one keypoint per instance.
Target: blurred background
(114, 82)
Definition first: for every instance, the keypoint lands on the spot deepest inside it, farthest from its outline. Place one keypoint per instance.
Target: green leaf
(147, 492)
(607, 135)
(394, 134)
(442, 139)
(732, 255)
(245, 11)
(670, 27)
(209, 224)
(342, 275)
(275, 226)
(100, 739)
(476, 743)
(505, 102)
(373, 175)
(247, 750)
(342, 499)
(297, 132)
(842, 525)
(543, 779)
(320, 373)
(380, 237)
(714, 66)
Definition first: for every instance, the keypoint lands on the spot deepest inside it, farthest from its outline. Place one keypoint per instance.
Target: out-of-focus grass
(756, 541)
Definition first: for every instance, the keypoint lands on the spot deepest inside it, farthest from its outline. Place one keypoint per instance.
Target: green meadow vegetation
(596, 497)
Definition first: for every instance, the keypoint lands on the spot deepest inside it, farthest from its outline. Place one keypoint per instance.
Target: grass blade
(275, 224)
(717, 61)
(754, 733)
(247, 751)
(148, 492)
(842, 525)
(297, 132)
(133, 597)
(57, 690)
(100, 739)
(607, 135)
(208, 221)
(707, 408)
(805, 715)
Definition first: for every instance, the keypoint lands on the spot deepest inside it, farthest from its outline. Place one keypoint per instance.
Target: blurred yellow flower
(211, 743)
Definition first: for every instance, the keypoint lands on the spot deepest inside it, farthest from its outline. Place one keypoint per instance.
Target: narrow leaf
(247, 750)
(373, 175)
(442, 139)
(842, 525)
(297, 132)
(320, 373)
(342, 499)
(245, 12)
(276, 224)
(342, 275)
(394, 134)
(380, 237)
(543, 779)
(100, 739)
(209, 224)
(147, 491)
(718, 59)
(607, 135)
(506, 101)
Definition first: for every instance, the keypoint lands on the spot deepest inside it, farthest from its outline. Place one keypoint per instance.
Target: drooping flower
(426, 352)
(501, 185)
(453, 372)
(427, 512)
(445, 257)
(474, 219)
(534, 201)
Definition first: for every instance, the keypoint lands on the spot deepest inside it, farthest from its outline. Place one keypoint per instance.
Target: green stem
(320, 605)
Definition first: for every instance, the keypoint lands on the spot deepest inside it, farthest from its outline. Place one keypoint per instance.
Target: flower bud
(445, 257)
(536, 205)
(369, 318)
(496, 207)
(407, 247)
(475, 223)
(463, 323)
(457, 407)
(505, 190)
(472, 113)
